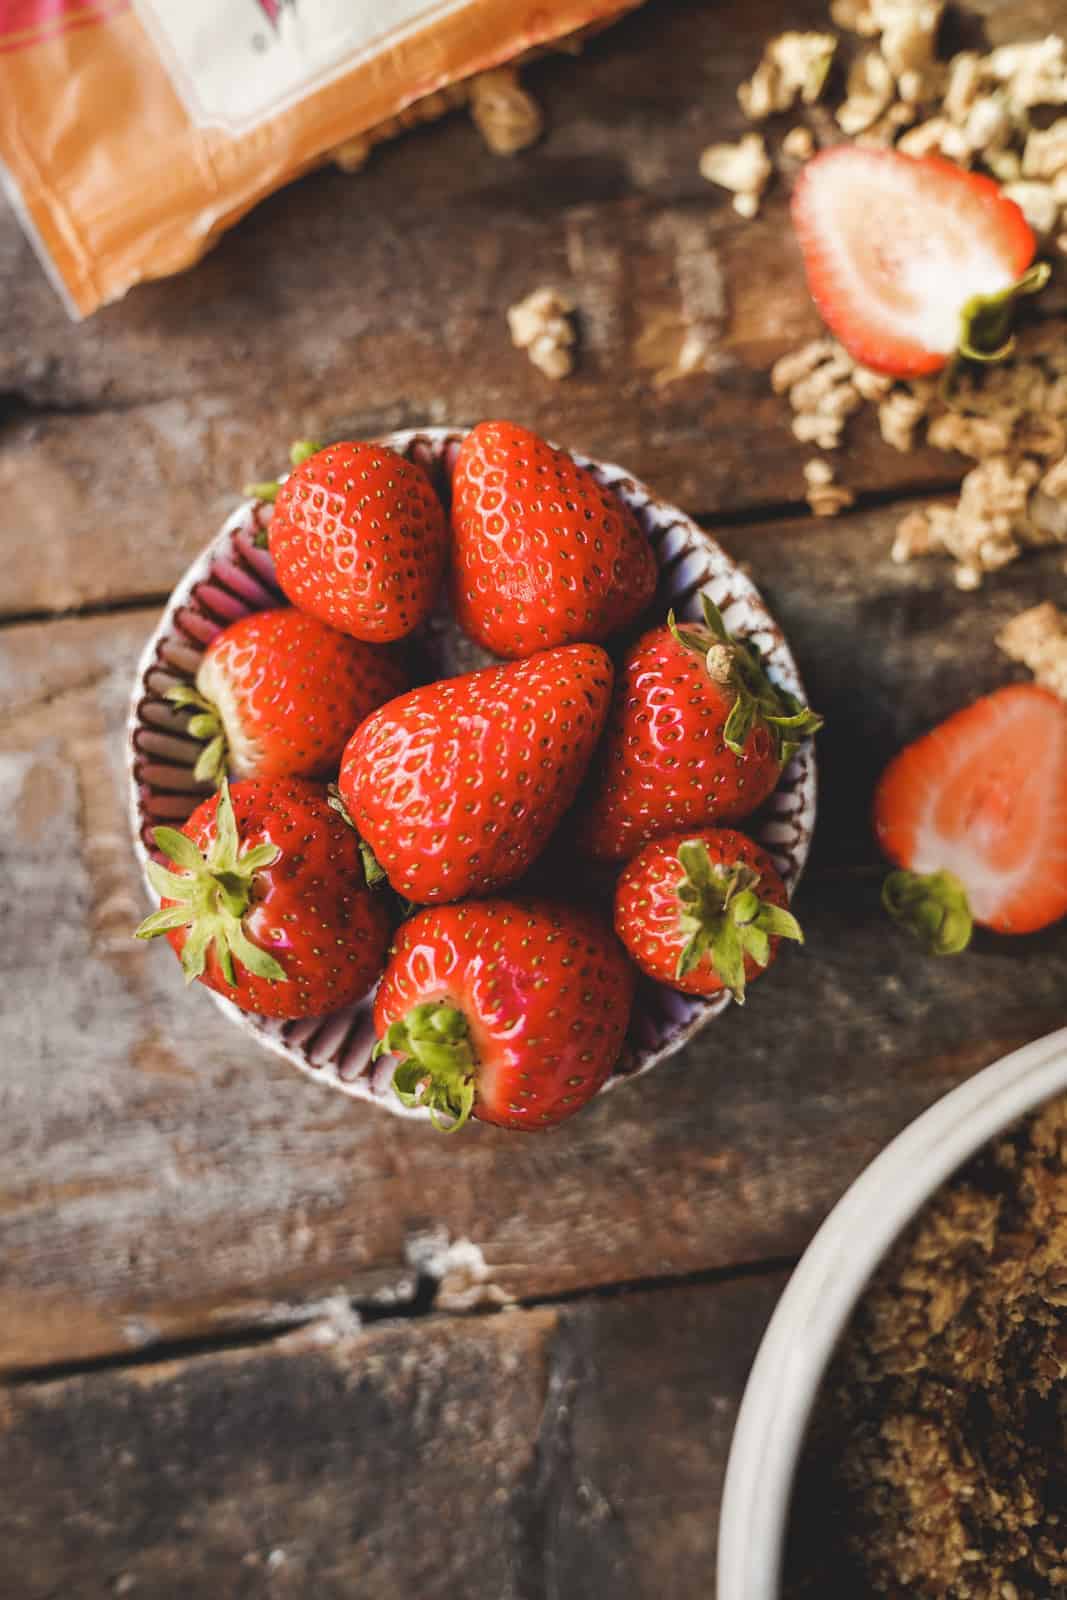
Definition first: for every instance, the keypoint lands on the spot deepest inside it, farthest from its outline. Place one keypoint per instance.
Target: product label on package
(236, 62)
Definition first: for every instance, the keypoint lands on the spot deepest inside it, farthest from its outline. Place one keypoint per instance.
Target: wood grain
(351, 305)
(357, 304)
(574, 1451)
(164, 1179)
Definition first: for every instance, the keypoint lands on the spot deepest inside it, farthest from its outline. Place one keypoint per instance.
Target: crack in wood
(418, 1305)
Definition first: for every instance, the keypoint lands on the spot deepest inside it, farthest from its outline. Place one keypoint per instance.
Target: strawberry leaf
(214, 894)
(723, 918)
(179, 847)
(737, 664)
(169, 885)
(437, 1065)
(162, 921)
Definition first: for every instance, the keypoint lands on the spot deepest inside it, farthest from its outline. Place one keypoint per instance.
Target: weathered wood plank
(627, 119)
(164, 1179)
(576, 1451)
(114, 504)
(359, 304)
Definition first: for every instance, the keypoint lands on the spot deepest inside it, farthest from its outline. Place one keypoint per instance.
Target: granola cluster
(1038, 640)
(506, 115)
(977, 110)
(542, 326)
(824, 494)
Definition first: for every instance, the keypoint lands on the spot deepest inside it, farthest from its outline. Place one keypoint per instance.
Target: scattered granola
(794, 67)
(933, 1465)
(743, 168)
(870, 89)
(542, 326)
(1038, 639)
(819, 379)
(826, 497)
(505, 114)
(354, 153)
(799, 143)
(976, 109)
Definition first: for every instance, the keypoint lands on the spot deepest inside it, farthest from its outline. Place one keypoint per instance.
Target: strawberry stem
(986, 319)
(211, 895)
(206, 724)
(267, 490)
(933, 906)
(737, 664)
(723, 918)
(300, 450)
(437, 1065)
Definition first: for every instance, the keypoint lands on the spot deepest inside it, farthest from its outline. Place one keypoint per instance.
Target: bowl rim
(329, 1049)
(825, 1286)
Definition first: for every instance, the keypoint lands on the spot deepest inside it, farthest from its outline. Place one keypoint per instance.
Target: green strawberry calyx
(373, 871)
(723, 918)
(300, 450)
(736, 664)
(437, 1064)
(211, 894)
(205, 724)
(933, 906)
(986, 319)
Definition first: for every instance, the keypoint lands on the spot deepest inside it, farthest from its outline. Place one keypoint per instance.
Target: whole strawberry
(975, 815)
(265, 900)
(910, 259)
(703, 911)
(278, 693)
(359, 540)
(697, 734)
(511, 1011)
(543, 554)
(457, 786)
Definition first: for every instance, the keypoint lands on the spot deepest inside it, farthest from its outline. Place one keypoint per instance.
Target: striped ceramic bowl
(234, 576)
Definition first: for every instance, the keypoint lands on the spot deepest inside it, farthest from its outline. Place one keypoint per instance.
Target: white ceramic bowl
(824, 1289)
(233, 577)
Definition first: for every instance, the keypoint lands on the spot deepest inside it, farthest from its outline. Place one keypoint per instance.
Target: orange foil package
(133, 132)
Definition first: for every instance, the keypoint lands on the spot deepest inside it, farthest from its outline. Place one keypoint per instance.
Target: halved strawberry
(910, 259)
(976, 811)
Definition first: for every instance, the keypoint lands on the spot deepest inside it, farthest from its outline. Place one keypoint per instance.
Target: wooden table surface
(265, 1341)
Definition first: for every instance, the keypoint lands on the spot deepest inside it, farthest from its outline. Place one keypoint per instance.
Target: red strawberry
(910, 259)
(976, 811)
(703, 911)
(697, 734)
(543, 554)
(359, 540)
(278, 694)
(457, 786)
(512, 1011)
(267, 871)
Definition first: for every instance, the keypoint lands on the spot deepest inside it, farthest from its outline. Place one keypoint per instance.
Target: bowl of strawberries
(468, 775)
